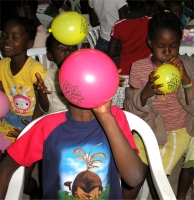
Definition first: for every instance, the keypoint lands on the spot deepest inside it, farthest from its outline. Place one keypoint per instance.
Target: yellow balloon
(169, 76)
(69, 28)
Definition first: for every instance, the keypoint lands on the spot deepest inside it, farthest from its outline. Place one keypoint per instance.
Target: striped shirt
(171, 110)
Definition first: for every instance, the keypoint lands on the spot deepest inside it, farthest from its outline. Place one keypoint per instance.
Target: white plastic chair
(16, 184)
(15, 189)
(189, 50)
(191, 22)
(1, 56)
(40, 53)
(75, 5)
(159, 177)
(92, 36)
(44, 19)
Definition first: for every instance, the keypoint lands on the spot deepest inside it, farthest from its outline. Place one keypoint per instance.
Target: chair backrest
(159, 177)
(16, 184)
(189, 50)
(44, 19)
(39, 53)
(75, 5)
(41, 8)
(92, 36)
(15, 188)
(191, 22)
(1, 56)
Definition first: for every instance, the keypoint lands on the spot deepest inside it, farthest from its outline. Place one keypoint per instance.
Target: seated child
(57, 53)
(17, 72)
(79, 151)
(171, 116)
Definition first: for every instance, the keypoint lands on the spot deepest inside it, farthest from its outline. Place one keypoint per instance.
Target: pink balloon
(88, 78)
(4, 105)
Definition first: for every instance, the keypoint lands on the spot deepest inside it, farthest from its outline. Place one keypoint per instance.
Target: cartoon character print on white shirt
(22, 102)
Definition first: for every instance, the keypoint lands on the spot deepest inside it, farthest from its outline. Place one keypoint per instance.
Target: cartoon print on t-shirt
(87, 184)
(21, 101)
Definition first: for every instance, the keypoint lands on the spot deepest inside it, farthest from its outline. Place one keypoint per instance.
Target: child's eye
(3, 35)
(71, 48)
(15, 37)
(160, 46)
(60, 48)
(174, 46)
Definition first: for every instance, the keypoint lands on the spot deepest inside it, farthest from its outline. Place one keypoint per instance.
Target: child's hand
(151, 89)
(179, 64)
(101, 110)
(40, 84)
(121, 79)
(17, 130)
(14, 133)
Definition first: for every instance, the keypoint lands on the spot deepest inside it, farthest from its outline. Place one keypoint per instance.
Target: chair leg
(143, 193)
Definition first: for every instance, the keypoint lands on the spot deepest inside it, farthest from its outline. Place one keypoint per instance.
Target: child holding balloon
(17, 73)
(79, 147)
(17, 78)
(171, 116)
(57, 53)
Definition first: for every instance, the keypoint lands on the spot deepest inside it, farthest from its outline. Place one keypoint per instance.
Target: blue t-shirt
(80, 154)
(76, 155)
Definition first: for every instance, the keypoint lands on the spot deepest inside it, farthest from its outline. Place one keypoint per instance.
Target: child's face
(165, 45)
(15, 40)
(177, 10)
(60, 52)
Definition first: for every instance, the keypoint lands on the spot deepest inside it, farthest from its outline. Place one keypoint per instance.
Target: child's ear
(30, 44)
(149, 42)
(49, 56)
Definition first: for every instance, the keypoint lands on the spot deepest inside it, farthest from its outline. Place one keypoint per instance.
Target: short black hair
(164, 20)
(140, 4)
(27, 23)
(49, 42)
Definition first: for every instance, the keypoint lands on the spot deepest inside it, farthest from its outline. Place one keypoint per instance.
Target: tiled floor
(173, 179)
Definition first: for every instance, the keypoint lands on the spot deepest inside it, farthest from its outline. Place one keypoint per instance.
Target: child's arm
(42, 104)
(127, 160)
(93, 17)
(114, 48)
(1, 86)
(8, 166)
(184, 76)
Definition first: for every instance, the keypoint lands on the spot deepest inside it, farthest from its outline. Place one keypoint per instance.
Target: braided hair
(164, 20)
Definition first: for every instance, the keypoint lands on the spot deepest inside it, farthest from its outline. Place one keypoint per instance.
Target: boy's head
(18, 36)
(58, 52)
(147, 7)
(175, 7)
